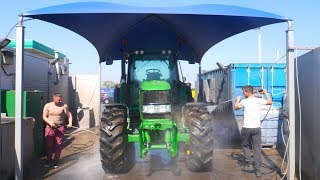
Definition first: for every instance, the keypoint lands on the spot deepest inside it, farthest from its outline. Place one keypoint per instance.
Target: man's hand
(269, 100)
(69, 125)
(52, 125)
(264, 91)
(236, 104)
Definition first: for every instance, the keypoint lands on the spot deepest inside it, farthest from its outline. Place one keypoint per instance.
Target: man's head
(247, 90)
(57, 98)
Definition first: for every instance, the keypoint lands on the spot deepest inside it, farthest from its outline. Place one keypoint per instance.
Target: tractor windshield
(152, 70)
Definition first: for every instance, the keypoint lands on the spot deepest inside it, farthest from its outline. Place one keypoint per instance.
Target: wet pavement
(80, 159)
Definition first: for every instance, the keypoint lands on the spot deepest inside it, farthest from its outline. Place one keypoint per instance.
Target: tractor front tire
(117, 154)
(199, 152)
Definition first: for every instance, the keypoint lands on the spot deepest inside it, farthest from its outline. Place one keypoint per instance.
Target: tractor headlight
(151, 109)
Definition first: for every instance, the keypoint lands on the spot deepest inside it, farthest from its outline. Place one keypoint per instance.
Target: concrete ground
(81, 160)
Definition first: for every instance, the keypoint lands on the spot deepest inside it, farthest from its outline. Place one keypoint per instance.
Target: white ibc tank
(85, 118)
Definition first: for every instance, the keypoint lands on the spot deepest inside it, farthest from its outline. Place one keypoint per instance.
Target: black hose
(267, 111)
(273, 169)
(6, 72)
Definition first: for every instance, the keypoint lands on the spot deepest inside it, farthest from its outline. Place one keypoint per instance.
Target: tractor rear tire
(200, 149)
(117, 154)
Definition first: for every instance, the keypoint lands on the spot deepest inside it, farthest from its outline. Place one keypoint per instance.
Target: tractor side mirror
(184, 79)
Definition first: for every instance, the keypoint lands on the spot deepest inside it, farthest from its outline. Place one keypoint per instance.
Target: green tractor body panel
(154, 85)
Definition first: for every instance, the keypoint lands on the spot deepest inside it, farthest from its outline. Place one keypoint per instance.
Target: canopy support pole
(18, 100)
(200, 93)
(291, 99)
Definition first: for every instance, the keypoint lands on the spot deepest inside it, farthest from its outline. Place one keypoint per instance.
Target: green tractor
(155, 109)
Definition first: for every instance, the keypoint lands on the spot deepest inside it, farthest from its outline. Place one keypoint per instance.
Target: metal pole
(259, 45)
(200, 93)
(248, 72)
(304, 47)
(18, 100)
(0, 114)
(262, 77)
(100, 113)
(291, 100)
(272, 70)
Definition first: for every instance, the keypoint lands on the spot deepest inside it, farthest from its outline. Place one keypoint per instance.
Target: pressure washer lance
(81, 129)
(260, 91)
(226, 101)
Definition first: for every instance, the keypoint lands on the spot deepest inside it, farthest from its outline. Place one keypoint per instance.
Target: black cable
(267, 111)
(81, 147)
(6, 72)
(12, 29)
(262, 164)
(9, 33)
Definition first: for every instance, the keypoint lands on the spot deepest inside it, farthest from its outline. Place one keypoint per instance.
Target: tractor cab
(151, 65)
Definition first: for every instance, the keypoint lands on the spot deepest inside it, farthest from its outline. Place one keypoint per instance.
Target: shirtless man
(55, 114)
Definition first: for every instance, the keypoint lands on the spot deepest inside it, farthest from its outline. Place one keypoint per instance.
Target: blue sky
(242, 48)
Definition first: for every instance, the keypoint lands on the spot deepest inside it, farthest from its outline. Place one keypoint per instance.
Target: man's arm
(69, 115)
(269, 100)
(236, 104)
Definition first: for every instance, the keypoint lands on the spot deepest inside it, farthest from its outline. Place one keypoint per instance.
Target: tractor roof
(191, 29)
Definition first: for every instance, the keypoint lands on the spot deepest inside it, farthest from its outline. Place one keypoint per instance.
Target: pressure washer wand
(227, 101)
(81, 129)
(259, 91)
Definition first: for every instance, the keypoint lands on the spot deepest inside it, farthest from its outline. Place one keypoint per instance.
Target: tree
(109, 84)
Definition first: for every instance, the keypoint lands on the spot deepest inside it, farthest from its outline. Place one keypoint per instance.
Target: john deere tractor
(154, 109)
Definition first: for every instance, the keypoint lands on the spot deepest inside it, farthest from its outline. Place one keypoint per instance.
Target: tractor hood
(190, 29)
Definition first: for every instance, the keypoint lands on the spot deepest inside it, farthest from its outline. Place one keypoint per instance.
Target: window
(151, 70)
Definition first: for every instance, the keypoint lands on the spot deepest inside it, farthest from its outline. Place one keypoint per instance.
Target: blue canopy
(191, 29)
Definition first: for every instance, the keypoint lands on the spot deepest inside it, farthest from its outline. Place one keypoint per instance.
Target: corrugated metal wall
(217, 87)
(7, 81)
(37, 76)
(309, 83)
